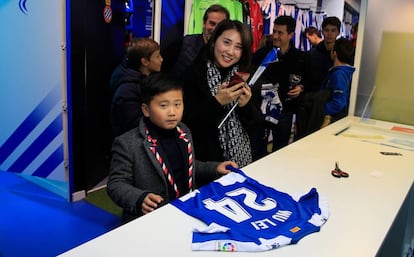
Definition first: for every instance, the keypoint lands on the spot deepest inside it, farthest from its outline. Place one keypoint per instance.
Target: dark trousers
(258, 141)
(311, 112)
(281, 131)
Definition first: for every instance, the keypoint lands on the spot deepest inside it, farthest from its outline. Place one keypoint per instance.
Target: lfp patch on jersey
(242, 214)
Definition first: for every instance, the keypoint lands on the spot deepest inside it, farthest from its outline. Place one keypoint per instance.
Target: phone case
(235, 79)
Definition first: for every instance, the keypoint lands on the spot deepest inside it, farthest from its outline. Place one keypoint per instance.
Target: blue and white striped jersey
(245, 215)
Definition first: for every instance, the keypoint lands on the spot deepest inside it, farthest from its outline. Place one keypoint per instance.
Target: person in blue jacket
(339, 81)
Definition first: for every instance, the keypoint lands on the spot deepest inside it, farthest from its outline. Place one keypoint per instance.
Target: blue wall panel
(31, 88)
(172, 31)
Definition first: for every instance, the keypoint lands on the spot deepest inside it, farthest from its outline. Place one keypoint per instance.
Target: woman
(208, 97)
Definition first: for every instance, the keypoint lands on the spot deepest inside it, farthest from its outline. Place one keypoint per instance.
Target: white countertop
(362, 207)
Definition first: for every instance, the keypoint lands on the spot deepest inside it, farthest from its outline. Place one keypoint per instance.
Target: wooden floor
(36, 222)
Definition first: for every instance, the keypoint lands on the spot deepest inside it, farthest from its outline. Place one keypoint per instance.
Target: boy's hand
(221, 168)
(151, 202)
(326, 121)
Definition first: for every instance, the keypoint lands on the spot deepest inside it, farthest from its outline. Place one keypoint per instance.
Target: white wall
(396, 16)
(334, 8)
(356, 4)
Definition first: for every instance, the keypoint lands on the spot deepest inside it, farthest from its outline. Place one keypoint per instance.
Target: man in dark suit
(192, 44)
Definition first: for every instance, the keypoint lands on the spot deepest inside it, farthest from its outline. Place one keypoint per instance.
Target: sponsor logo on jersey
(228, 247)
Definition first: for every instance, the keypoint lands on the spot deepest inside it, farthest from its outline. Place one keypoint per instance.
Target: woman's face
(228, 48)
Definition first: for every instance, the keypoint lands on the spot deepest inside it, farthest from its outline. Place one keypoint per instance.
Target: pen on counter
(341, 131)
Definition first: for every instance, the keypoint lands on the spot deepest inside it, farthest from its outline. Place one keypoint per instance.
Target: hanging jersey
(318, 19)
(195, 25)
(244, 215)
(303, 21)
(270, 9)
(254, 19)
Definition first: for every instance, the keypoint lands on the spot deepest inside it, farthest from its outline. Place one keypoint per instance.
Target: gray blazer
(134, 171)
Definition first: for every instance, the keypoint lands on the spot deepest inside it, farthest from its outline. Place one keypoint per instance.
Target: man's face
(281, 37)
(330, 33)
(313, 39)
(213, 19)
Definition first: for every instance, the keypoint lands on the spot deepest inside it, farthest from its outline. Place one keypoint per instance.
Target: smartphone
(238, 77)
(235, 79)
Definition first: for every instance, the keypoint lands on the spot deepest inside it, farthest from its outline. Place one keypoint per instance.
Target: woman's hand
(226, 94)
(245, 96)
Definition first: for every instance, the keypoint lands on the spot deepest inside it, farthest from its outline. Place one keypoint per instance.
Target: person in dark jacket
(156, 163)
(286, 76)
(208, 97)
(313, 35)
(142, 58)
(192, 45)
(318, 60)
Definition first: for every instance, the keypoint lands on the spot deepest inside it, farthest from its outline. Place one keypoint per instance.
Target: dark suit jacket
(191, 47)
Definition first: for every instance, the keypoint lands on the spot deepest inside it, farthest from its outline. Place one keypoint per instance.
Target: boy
(154, 163)
(142, 58)
(339, 81)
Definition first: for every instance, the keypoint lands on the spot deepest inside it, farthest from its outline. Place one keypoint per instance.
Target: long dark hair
(246, 38)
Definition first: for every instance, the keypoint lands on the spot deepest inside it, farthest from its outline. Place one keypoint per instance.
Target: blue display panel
(172, 31)
(172, 18)
(142, 11)
(31, 79)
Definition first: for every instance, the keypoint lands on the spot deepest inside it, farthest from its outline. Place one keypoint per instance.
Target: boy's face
(155, 61)
(165, 109)
(332, 54)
